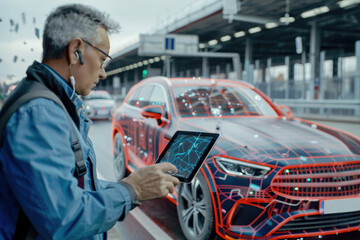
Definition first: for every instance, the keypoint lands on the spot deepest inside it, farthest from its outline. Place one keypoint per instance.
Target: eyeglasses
(108, 58)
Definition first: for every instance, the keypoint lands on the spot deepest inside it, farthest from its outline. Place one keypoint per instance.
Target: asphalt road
(157, 219)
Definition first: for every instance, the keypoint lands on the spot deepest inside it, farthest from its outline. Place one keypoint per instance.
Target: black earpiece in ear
(78, 54)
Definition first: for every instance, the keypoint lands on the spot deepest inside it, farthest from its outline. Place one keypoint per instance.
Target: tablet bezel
(202, 158)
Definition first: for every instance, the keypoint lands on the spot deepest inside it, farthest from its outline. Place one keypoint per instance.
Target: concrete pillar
(264, 76)
(241, 77)
(197, 72)
(268, 82)
(205, 67)
(227, 70)
(167, 64)
(248, 59)
(126, 77)
(314, 57)
(257, 68)
(217, 70)
(237, 66)
(136, 75)
(340, 76)
(357, 77)
(187, 73)
(173, 68)
(287, 78)
(304, 88)
(116, 84)
(322, 82)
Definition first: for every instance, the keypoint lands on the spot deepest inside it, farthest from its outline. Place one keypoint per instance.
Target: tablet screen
(187, 151)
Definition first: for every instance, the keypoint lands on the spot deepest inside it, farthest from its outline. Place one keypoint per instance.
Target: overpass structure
(292, 50)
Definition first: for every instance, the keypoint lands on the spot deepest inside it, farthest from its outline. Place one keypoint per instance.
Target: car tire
(195, 211)
(119, 158)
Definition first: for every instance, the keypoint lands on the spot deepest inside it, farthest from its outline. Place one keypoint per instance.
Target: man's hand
(152, 181)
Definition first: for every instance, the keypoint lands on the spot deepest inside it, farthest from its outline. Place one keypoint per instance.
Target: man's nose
(102, 74)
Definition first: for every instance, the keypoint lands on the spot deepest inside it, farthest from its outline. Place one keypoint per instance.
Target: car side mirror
(153, 111)
(285, 109)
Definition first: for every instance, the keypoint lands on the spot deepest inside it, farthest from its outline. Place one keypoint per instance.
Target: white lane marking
(154, 230)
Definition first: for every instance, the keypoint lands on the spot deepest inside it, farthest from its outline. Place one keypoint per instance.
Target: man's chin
(85, 93)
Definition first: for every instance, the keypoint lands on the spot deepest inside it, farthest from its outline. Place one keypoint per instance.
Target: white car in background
(10, 89)
(99, 104)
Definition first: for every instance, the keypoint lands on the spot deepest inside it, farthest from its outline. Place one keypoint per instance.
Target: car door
(132, 124)
(152, 132)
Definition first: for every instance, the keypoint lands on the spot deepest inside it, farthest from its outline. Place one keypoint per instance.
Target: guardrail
(337, 110)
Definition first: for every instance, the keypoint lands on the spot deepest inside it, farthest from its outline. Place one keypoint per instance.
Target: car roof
(171, 82)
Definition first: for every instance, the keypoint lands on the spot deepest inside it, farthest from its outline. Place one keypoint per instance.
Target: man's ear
(75, 45)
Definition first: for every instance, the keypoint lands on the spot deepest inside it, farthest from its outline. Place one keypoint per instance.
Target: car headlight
(240, 168)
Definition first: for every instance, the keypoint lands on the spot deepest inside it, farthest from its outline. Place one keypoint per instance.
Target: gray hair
(70, 21)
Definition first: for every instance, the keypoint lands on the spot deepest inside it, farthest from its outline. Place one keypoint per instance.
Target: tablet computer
(188, 150)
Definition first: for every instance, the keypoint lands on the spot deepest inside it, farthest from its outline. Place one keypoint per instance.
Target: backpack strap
(24, 228)
(40, 91)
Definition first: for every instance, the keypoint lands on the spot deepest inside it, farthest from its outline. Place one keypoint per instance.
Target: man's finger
(175, 181)
(169, 188)
(166, 166)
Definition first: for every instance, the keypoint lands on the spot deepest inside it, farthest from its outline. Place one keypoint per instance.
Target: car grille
(323, 222)
(321, 181)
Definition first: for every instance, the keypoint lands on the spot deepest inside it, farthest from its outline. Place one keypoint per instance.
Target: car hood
(99, 102)
(269, 140)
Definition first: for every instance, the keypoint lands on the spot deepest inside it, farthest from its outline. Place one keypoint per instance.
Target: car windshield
(98, 95)
(220, 101)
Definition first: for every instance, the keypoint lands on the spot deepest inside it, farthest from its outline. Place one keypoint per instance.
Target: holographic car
(269, 176)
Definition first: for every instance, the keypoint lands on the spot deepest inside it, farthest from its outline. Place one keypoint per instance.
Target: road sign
(167, 44)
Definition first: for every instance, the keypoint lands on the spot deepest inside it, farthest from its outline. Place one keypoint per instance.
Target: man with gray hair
(48, 183)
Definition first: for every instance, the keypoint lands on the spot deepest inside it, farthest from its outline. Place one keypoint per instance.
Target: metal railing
(335, 88)
(337, 110)
(336, 101)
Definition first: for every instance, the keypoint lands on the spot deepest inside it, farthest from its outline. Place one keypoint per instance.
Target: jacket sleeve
(40, 170)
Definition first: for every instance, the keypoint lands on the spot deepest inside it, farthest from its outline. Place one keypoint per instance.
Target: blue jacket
(37, 168)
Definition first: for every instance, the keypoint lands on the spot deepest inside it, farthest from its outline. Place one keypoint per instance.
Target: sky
(19, 46)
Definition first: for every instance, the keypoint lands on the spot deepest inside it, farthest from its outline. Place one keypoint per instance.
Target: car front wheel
(119, 157)
(195, 211)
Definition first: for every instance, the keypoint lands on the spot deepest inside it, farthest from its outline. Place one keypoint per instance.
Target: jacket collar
(73, 96)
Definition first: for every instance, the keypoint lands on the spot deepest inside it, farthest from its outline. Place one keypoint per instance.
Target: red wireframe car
(270, 175)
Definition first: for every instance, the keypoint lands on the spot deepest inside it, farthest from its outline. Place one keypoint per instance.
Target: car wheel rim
(194, 208)
(119, 158)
